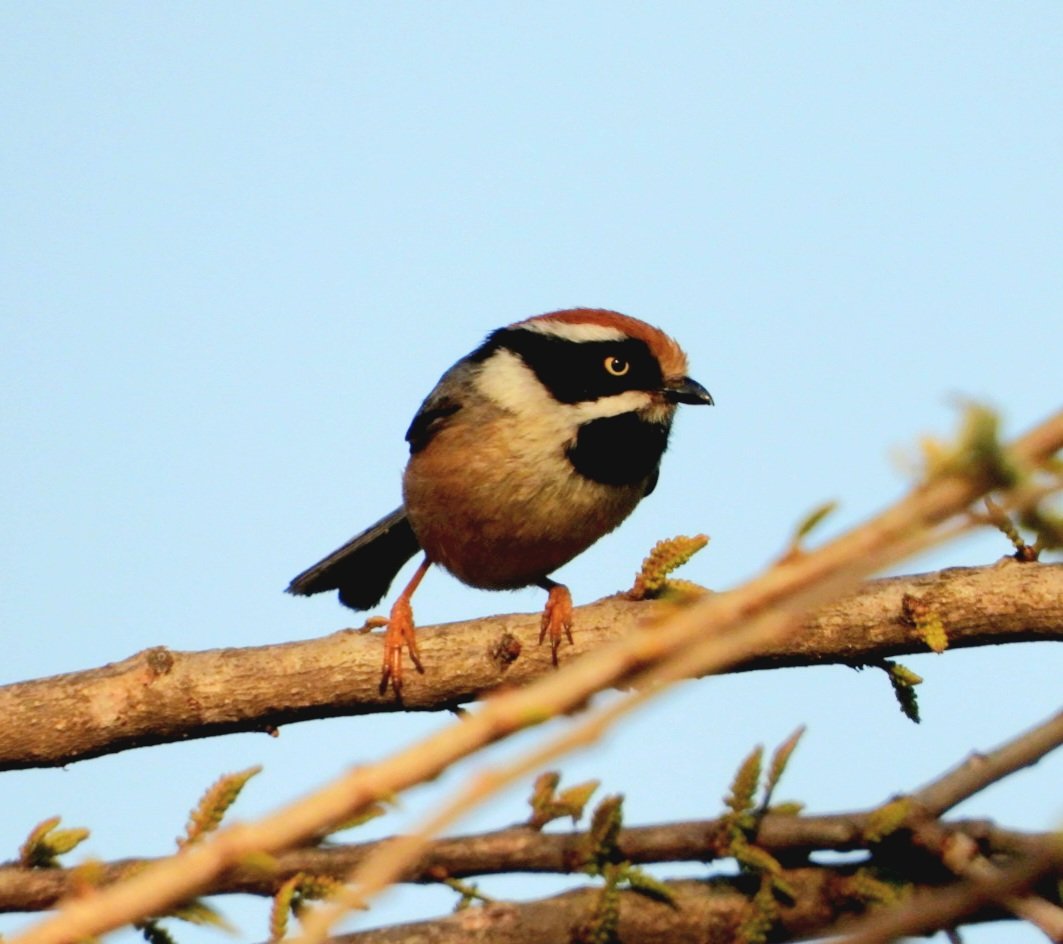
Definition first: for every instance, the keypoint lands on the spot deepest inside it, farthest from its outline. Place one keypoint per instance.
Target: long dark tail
(362, 570)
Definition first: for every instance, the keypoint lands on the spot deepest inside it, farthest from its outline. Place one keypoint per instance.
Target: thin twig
(984, 881)
(694, 656)
(978, 771)
(965, 860)
(161, 886)
(928, 912)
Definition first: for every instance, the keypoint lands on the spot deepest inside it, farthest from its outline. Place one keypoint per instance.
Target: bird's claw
(399, 635)
(557, 619)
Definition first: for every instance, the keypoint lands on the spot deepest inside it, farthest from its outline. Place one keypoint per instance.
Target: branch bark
(521, 849)
(711, 634)
(713, 911)
(709, 912)
(162, 695)
(789, 838)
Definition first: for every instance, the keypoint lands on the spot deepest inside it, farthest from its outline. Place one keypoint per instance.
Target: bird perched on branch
(527, 451)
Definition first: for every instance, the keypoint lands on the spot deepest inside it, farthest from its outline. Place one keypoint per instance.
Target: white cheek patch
(575, 332)
(506, 380)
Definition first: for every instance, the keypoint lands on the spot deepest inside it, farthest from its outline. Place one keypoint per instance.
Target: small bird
(528, 450)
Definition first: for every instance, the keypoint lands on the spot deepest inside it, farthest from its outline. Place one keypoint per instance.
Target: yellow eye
(616, 366)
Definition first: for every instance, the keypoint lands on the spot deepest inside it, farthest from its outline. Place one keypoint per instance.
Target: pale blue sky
(241, 241)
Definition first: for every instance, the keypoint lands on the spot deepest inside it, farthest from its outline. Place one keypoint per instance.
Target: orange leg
(557, 616)
(400, 634)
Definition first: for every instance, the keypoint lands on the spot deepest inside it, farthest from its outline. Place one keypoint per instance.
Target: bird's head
(602, 384)
(590, 363)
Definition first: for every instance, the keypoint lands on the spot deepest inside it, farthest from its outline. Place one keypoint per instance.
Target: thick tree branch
(712, 912)
(709, 912)
(791, 839)
(711, 634)
(522, 849)
(163, 695)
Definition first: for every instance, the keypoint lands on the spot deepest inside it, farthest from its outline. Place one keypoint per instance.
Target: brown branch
(522, 849)
(162, 695)
(705, 912)
(963, 858)
(517, 849)
(980, 770)
(736, 619)
(927, 913)
(717, 904)
(709, 912)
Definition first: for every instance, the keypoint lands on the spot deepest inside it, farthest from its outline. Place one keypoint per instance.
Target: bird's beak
(685, 390)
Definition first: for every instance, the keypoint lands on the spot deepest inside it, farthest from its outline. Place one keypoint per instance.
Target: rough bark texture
(521, 849)
(708, 912)
(704, 912)
(162, 695)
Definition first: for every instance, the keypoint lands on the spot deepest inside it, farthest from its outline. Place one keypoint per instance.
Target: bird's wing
(430, 419)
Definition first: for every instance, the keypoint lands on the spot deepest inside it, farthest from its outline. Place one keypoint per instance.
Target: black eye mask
(575, 371)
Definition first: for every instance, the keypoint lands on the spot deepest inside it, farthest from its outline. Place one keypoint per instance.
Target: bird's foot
(557, 618)
(399, 635)
(371, 623)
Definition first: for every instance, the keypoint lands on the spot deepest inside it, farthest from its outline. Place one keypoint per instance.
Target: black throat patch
(620, 450)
